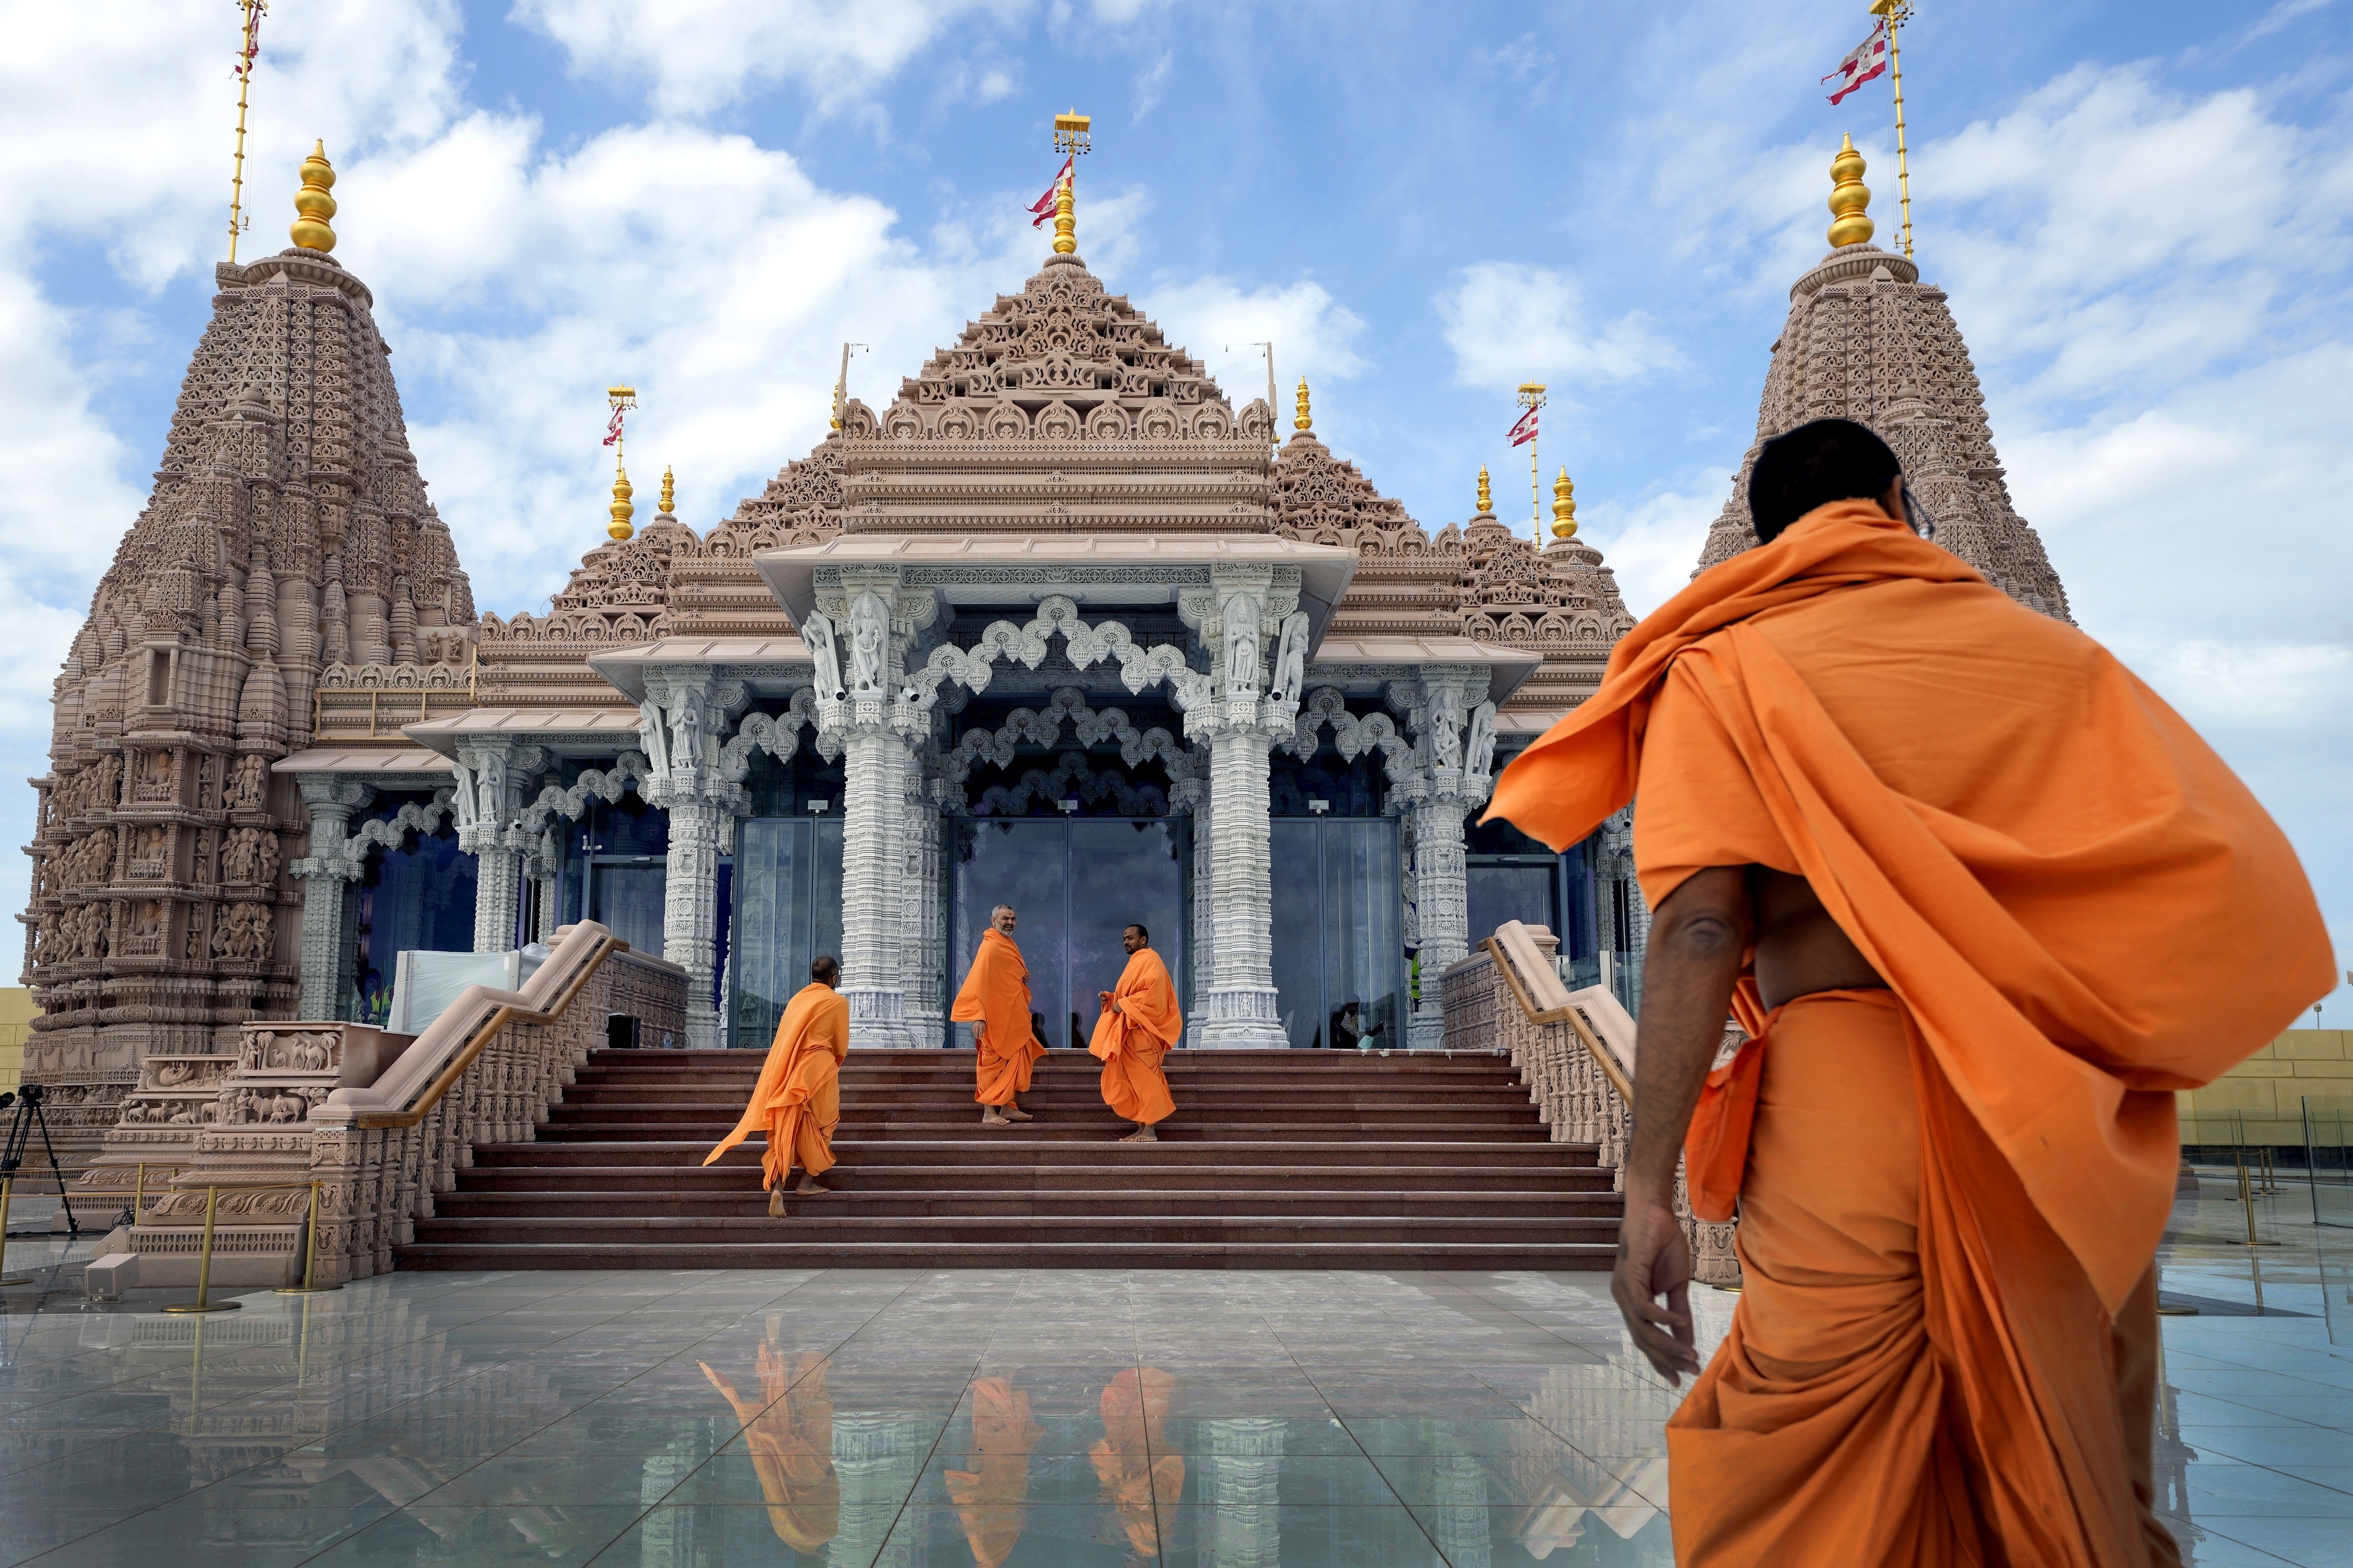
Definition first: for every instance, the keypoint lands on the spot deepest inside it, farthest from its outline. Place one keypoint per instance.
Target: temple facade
(1061, 626)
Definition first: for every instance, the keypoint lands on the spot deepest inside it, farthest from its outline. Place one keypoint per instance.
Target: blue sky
(2140, 211)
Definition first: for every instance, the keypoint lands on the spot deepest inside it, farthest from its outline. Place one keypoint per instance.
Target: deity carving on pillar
(1290, 658)
(818, 633)
(1482, 739)
(1241, 643)
(1445, 728)
(869, 637)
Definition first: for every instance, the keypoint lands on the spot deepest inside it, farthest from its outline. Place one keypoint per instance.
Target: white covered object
(423, 983)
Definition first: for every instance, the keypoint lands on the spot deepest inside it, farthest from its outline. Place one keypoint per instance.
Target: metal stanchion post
(2247, 1196)
(202, 1303)
(7, 1184)
(310, 1255)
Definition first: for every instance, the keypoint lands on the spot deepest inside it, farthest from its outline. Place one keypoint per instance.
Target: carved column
(686, 707)
(923, 909)
(327, 874)
(492, 777)
(1239, 1006)
(1448, 780)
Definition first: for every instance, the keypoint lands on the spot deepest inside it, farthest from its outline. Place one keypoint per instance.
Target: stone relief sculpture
(247, 784)
(1482, 758)
(1241, 643)
(869, 637)
(249, 855)
(686, 730)
(1290, 658)
(818, 633)
(1445, 728)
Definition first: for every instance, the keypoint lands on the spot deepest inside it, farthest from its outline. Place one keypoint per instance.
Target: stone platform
(1273, 1159)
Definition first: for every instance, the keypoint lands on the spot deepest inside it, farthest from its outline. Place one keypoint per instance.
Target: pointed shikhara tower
(287, 543)
(1867, 340)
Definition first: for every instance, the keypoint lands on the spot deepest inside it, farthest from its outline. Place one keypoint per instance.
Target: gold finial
(1303, 420)
(1071, 136)
(311, 231)
(669, 492)
(1850, 224)
(1486, 501)
(622, 511)
(1564, 507)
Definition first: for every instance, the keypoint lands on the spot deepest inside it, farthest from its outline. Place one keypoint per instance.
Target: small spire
(1071, 136)
(1303, 420)
(311, 230)
(621, 509)
(669, 492)
(1564, 507)
(1849, 223)
(1487, 498)
(1066, 222)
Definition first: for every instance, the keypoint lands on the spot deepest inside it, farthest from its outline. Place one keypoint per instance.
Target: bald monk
(995, 1001)
(1139, 1023)
(797, 1101)
(1983, 902)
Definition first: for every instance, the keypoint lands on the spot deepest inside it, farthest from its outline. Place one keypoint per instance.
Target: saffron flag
(1866, 60)
(1043, 207)
(1525, 430)
(612, 429)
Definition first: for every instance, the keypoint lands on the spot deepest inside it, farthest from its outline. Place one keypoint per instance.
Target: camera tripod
(28, 1117)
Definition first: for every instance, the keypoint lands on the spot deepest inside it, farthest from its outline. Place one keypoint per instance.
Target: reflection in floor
(688, 1420)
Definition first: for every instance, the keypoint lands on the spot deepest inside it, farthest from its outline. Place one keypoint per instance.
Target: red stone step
(1008, 1150)
(1595, 1255)
(743, 1198)
(739, 1172)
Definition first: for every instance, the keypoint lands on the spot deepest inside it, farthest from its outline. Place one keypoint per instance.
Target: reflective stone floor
(696, 1419)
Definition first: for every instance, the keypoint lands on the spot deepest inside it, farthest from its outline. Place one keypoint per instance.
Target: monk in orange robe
(789, 1431)
(995, 1000)
(1139, 1023)
(1983, 902)
(992, 1497)
(797, 1101)
(1140, 1477)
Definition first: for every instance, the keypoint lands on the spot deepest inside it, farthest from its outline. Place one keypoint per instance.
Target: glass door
(1075, 884)
(1339, 933)
(786, 910)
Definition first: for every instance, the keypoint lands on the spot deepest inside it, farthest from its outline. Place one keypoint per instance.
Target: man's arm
(1697, 936)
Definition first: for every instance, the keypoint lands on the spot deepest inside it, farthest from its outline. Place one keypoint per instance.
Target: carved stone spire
(1867, 340)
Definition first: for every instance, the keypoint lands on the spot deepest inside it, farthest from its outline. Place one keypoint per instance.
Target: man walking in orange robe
(797, 1101)
(1140, 1022)
(995, 1000)
(1982, 902)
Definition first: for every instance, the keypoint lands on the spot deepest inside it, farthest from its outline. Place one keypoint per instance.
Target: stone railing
(382, 1123)
(1574, 1050)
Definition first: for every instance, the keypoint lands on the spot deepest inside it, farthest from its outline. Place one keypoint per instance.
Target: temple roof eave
(586, 732)
(747, 656)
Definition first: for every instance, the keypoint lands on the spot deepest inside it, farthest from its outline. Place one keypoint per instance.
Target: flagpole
(1532, 397)
(248, 46)
(1897, 12)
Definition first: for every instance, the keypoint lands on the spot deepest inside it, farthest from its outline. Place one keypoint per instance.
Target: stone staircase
(1273, 1159)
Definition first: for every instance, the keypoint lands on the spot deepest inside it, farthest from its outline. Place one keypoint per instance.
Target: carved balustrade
(1575, 1051)
(384, 1121)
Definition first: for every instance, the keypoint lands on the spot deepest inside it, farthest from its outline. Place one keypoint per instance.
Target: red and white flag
(1866, 60)
(1525, 430)
(613, 428)
(252, 45)
(1043, 208)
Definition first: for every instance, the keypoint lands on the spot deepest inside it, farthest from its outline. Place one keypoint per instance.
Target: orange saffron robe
(1137, 1027)
(1138, 1474)
(996, 993)
(788, 1432)
(2078, 909)
(797, 1101)
(992, 1497)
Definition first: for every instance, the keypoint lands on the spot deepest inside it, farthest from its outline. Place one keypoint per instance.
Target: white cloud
(1517, 61)
(1219, 323)
(699, 55)
(1509, 321)
(1652, 543)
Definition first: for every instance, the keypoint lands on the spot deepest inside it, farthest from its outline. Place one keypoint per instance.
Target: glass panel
(1500, 893)
(788, 909)
(1025, 864)
(1363, 935)
(825, 898)
(1295, 847)
(1121, 873)
(629, 901)
(417, 897)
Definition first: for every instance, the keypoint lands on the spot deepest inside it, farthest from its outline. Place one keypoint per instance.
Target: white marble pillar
(922, 913)
(498, 898)
(488, 783)
(1243, 1486)
(1239, 1006)
(874, 862)
(1441, 888)
(326, 875)
(698, 826)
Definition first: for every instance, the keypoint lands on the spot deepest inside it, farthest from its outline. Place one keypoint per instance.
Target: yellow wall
(2267, 1089)
(16, 1016)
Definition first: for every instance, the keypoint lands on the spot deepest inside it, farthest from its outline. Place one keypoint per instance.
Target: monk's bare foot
(809, 1186)
(990, 1119)
(775, 1203)
(1142, 1135)
(1015, 1113)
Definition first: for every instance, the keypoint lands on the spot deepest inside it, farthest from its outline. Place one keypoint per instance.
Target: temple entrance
(1339, 939)
(786, 910)
(1075, 884)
